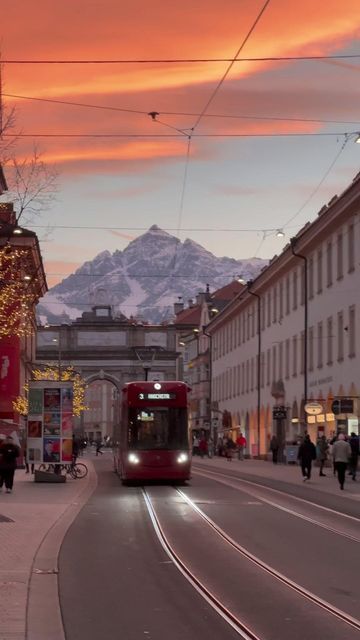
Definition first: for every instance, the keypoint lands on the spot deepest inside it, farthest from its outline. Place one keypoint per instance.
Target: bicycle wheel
(80, 470)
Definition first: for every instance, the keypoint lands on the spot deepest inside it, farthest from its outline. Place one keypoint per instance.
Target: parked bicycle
(76, 470)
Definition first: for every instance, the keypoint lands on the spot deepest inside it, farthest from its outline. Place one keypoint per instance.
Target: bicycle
(76, 470)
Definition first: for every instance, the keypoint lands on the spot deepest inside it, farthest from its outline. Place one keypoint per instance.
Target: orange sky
(109, 29)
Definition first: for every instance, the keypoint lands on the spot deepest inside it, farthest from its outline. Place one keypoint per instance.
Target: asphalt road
(116, 581)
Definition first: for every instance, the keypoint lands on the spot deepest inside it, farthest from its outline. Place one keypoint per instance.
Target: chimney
(178, 306)
(7, 213)
(190, 303)
(201, 297)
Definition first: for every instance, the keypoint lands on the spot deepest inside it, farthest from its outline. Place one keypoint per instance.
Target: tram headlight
(183, 457)
(133, 458)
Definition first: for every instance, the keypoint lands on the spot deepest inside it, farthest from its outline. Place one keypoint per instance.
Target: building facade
(293, 335)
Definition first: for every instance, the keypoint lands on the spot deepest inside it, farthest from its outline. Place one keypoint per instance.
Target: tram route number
(157, 396)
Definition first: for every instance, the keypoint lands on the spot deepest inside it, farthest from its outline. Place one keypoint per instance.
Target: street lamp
(208, 335)
(58, 341)
(258, 385)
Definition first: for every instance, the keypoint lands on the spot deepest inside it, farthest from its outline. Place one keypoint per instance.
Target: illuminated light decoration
(18, 294)
(52, 373)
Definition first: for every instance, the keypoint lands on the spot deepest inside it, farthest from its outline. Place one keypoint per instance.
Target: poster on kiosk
(50, 422)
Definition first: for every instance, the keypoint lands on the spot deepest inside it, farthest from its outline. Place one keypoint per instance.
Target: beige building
(293, 335)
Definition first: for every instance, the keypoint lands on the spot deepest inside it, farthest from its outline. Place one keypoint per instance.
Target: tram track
(233, 482)
(233, 620)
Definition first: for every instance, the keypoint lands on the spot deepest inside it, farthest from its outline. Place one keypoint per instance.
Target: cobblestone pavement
(26, 516)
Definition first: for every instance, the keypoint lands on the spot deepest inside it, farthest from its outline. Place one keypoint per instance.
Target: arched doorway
(102, 397)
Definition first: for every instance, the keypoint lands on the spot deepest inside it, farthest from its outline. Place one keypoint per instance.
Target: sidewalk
(289, 473)
(33, 521)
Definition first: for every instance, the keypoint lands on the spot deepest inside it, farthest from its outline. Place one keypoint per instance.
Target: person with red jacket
(241, 445)
(203, 447)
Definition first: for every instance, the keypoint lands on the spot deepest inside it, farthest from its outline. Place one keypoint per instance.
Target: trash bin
(291, 453)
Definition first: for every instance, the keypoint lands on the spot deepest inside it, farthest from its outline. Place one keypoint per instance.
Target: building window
(340, 256)
(311, 349)
(253, 313)
(287, 359)
(242, 377)
(320, 338)
(274, 363)
(247, 376)
(311, 277)
(351, 247)
(329, 338)
(352, 332)
(230, 382)
(295, 350)
(268, 308)
(302, 352)
(243, 327)
(274, 303)
(340, 332)
(262, 370)
(295, 290)
(268, 366)
(281, 300)
(263, 312)
(302, 285)
(281, 358)
(248, 323)
(329, 264)
(319, 271)
(252, 374)
(239, 381)
(287, 295)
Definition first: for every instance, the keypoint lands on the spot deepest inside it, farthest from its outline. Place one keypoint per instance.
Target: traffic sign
(342, 405)
(313, 408)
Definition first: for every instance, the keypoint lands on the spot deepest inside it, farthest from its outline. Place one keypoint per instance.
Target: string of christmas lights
(17, 293)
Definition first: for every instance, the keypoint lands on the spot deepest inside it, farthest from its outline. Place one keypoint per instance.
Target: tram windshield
(158, 428)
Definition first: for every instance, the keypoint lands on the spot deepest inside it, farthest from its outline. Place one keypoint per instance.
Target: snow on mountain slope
(145, 279)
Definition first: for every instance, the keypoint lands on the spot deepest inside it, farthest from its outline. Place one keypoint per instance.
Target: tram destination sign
(157, 396)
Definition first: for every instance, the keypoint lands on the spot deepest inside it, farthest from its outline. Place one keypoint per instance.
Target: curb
(43, 612)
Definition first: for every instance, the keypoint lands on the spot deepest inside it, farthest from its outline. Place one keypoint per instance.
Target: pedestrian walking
(274, 448)
(8, 454)
(229, 448)
(322, 451)
(203, 447)
(75, 448)
(2, 440)
(355, 449)
(196, 443)
(306, 454)
(342, 455)
(99, 445)
(241, 445)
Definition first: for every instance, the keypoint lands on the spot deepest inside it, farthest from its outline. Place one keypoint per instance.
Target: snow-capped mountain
(145, 279)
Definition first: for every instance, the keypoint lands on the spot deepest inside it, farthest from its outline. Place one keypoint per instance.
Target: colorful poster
(34, 450)
(66, 453)
(34, 428)
(52, 399)
(66, 425)
(50, 422)
(51, 449)
(35, 401)
(67, 399)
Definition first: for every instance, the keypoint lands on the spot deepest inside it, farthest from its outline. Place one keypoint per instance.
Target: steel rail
(284, 493)
(308, 595)
(301, 516)
(238, 626)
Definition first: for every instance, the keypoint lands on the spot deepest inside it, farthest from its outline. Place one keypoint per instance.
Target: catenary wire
(224, 76)
(182, 113)
(186, 60)
(180, 136)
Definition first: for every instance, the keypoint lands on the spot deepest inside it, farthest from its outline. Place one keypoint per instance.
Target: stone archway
(103, 396)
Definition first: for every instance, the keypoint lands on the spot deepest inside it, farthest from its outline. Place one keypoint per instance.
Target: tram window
(158, 428)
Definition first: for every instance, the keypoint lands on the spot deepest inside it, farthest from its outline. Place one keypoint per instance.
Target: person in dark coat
(274, 448)
(8, 454)
(307, 453)
(355, 447)
(322, 447)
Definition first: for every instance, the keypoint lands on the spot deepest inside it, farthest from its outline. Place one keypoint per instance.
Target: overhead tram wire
(181, 135)
(178, 113)
(224, 76)
(314, 192)
(188, 60)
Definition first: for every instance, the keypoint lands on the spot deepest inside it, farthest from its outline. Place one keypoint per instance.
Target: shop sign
(342, 405)
(313, 408)
(9, 375)
(279, 413)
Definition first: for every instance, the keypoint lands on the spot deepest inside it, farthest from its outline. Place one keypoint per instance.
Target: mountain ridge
(145, 279)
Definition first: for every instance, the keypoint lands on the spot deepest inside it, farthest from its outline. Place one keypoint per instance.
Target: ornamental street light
(258, 384)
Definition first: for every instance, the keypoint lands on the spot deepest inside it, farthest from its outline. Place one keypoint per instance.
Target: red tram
(153, 442)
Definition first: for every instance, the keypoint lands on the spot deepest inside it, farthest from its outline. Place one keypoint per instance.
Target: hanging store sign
(279, 413)
(313, 408)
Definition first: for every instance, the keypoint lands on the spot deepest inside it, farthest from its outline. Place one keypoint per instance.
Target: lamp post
(258, 384)
(58, 341)
(293, 242)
